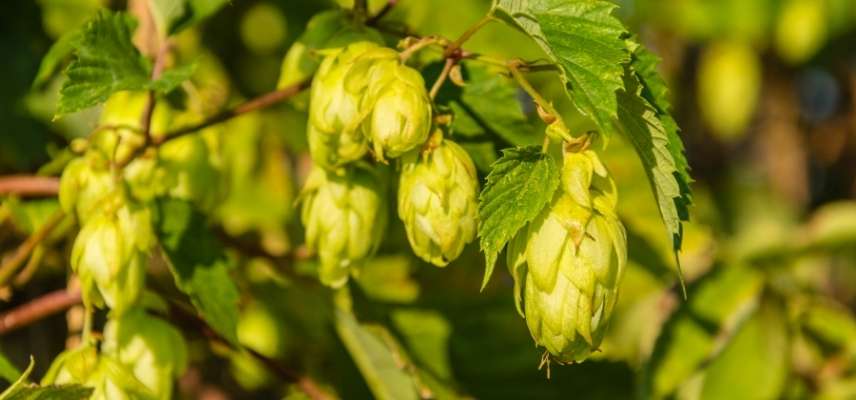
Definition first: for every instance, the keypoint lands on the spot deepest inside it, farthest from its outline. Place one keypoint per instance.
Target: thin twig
(26, 185)
(179, 313)
(447, 67)
(40, 308)
(10, 266)
(390, 4)
(456, 45)
(361, 10)
(160, 63)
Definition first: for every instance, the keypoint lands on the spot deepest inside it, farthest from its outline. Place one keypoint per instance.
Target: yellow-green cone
(345, 218)
(437, 201)
(568, 262)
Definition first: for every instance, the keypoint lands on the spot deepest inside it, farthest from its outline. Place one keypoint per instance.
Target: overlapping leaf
(518, 187)
(584, 40)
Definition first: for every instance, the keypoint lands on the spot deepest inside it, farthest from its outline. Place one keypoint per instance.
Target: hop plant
(399, 110)
(437, 201)
(568, 262)
(151, 349)
(336, 96)
(110, 252)
(344, 214)
(84, 184)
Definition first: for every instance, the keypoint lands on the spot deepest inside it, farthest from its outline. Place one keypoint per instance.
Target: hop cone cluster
(362, 93)
(140, 357)
(344, 214)
(437, 201)
(568, 262)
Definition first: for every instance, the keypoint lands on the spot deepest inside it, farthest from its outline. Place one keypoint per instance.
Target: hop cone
(345, 217)
(151, 349)
(336, 96)
(109, 255)
(85, 183)
(568, 262)
(437, 202)
(399, 109)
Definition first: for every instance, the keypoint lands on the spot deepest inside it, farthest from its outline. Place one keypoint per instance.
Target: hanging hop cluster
(140, 357)
(111, 190)
(437, 200)
(568, 262)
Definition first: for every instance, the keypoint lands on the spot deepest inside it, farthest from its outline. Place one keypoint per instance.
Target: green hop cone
(110, 253)
(437, 201)
(85, 183)
(189, 172)
(568, 262)
(152, 350)
(345, 217)
(325, 30)
(335, 105)
(399, 110)
(72, 366)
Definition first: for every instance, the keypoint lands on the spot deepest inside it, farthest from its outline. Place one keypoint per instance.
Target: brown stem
(25, 185)
(178, 312)
(258, 103)
(11, 265)
(42, 307)
(160, 63)
(447, 67)
(390, 4)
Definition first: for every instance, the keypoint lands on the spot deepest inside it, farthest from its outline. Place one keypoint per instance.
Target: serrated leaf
(641, 125)
(489, 103)
(166, 13)
(380, 367)
(106, 62)
(199, 265)
(518, 187)
(58, 392)
(584, 40)
(194, 12)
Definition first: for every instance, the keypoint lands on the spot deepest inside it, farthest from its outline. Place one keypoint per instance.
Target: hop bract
(437, 202)
(151, 349)
(110, 253)
(399, 109)
(568, 262)
(345, 217)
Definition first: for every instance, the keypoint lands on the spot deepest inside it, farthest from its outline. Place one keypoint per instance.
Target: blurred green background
(764, 94)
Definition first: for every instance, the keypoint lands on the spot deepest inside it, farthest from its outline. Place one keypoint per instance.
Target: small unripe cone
(325, 30)
(345, 218)
(189, 172)
(399, 119)
(151, 349)
(72, 366)
(84, 184)
(568, 262)
(437, 201)
(339, 86)
(110, 253)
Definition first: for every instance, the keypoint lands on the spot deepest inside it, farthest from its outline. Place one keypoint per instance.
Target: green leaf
(640, 123)
(59, 51)
(484, 154)
(381, 368)
(489, 103)
(426, 333)
(199, 265)
(166, 13)
(8, 371)
(387, 279)
(518, 187)
(194, 12)
(58, 392)
(107, 62)
(754, 364)
(584, 40)
(20, 383)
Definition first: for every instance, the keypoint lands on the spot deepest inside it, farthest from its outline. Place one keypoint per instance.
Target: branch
(390, 4)
(42, 307)
(11, 265)
(25, 185)
(177, 312)
(258, 103)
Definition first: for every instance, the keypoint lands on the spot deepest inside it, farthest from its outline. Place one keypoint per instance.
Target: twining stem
(361, 10)
(419, 45)
(25, 185)
(447, 67)
(456, 45)
(10, 266)
(514, 68)
(42, 307)
(390, 4)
